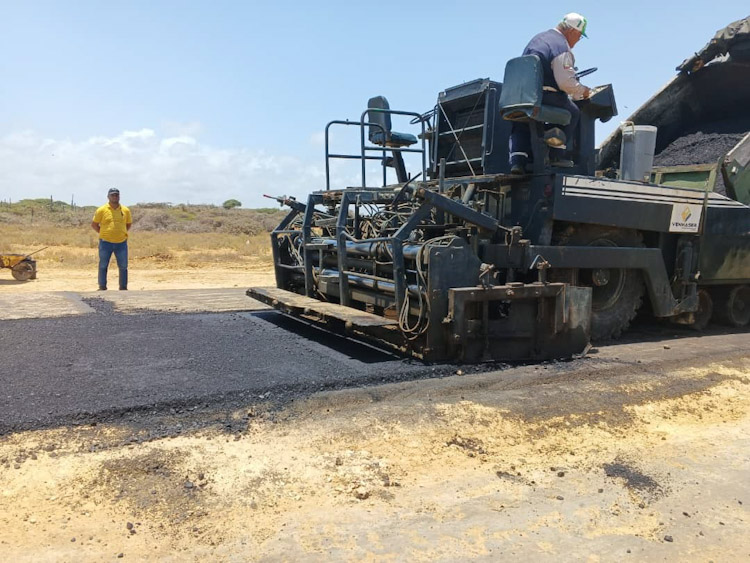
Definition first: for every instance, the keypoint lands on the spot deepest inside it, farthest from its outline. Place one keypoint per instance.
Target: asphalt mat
(82, 368)
(109, 364)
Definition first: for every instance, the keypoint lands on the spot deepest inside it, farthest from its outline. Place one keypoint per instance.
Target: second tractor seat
(379, 114)
(521, 96)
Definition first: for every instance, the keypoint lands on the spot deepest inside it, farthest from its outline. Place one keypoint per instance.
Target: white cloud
(149, 167)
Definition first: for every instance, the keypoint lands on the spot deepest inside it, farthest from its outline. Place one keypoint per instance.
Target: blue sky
(204, 101)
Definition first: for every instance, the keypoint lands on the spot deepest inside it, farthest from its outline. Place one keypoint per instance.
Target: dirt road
(641, 451)
(53, 277)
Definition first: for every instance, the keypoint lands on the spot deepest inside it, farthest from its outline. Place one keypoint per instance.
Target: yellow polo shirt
(113, 223)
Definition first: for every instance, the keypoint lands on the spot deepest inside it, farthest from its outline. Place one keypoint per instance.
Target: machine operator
(553, 47)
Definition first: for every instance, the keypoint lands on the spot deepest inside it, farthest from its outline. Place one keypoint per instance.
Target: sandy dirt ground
(618, 460)
(55, 278)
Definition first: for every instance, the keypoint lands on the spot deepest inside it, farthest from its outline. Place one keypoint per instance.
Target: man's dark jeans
(520, 137)
(120, 250)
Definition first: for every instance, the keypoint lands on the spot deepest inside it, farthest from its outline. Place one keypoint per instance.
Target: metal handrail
(361, 156)
(364, 148)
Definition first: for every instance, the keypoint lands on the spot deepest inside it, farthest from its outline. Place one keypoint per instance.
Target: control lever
(586, 72)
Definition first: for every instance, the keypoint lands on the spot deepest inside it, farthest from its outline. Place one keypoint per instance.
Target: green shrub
(231, 204)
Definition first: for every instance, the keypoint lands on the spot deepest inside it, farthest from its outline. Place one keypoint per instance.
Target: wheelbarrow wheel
(23, 271)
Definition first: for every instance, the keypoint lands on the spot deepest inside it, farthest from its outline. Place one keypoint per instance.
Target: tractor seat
(379, 114)
(521, 96)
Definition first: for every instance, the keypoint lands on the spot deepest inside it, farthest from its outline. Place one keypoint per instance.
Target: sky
(199, 101)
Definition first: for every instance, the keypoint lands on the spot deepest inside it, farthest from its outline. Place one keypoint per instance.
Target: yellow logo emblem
(686, 214)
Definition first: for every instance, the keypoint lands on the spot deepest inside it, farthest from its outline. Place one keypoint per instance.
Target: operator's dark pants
(520, 135)
(120, 250)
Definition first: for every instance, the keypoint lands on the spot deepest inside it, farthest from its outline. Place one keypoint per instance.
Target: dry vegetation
(163, 235)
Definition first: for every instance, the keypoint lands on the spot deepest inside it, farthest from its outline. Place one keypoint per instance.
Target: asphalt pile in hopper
(697, 148)
(704, 144)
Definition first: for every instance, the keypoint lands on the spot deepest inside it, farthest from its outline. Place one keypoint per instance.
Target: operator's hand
(587, 94)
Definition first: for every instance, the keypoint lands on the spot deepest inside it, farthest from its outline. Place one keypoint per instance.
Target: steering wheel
(424, 117)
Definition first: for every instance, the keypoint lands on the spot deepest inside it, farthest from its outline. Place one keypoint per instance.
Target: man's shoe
(518, 169)
(123, 289)
(102, 288)
(555, 138)
(562, 163)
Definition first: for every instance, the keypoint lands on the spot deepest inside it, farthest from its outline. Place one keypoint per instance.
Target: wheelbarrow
(22, 267)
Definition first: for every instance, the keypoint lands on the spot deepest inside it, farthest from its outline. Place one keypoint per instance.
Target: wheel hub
(607, 283)
(600, 277)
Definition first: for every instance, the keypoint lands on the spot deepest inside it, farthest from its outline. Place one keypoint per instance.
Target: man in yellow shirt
(112, 221)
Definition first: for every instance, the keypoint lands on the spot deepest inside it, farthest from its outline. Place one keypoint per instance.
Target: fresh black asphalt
(92, 367)
(144, 368)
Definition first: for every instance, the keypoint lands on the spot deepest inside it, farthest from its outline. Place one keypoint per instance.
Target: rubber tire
(608, 320)
(733, 306)
(23, 271)
(705, 310)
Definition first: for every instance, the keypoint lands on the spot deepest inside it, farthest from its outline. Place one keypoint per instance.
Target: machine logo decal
(686, 218)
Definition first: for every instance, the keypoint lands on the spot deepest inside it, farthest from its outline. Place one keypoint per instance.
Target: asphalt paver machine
(462, 261)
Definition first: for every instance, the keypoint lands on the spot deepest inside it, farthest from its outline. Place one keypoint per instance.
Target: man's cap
(113, 191)
(576, 21)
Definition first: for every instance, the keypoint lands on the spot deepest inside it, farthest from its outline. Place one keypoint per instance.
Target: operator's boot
(558, 158)
(518, 162)
(555, 138)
